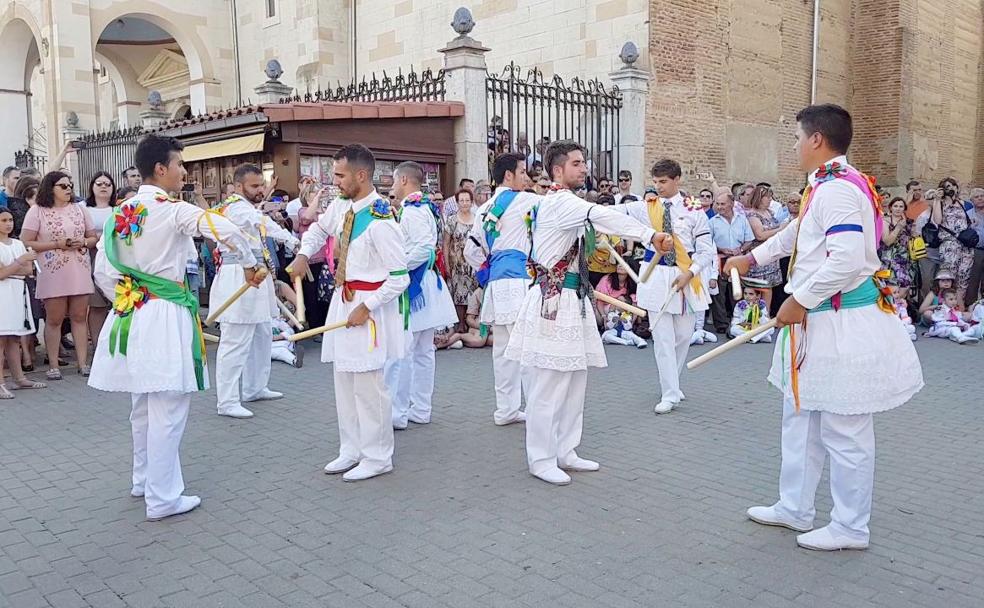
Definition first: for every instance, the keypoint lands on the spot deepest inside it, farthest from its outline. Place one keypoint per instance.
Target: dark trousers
(722, 306)
(976, 278)
(315, 310)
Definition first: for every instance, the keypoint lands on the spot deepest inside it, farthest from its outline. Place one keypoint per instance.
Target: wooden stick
(720, 350)
(649, 269)
(310, 277)
(232, 299)
(666, 305)
(209, 337)
(316, 331)
(621, 261)
(735, 284)
(299, 298)
(290, 316)
(619, 304)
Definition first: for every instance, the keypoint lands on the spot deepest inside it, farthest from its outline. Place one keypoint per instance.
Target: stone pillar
(272, 91)
(633, 83)
(464, 81)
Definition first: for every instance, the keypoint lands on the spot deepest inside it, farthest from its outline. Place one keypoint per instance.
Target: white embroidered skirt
(353, 349)
(503, 301)
(569, 343)
(858, 361)
(158, 357)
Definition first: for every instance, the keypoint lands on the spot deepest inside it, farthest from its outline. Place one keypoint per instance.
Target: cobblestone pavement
(461, 523)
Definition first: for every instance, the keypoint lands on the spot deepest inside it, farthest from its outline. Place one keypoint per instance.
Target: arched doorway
(22, 106)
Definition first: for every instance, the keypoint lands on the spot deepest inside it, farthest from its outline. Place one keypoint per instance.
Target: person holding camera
(957, 238)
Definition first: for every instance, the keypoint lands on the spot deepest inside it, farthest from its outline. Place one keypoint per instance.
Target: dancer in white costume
(497, 248)
(152, 348)
(410, 380)
(680, 269)
(842, 354)
(244, 350)
(370, 277)
(555, 336)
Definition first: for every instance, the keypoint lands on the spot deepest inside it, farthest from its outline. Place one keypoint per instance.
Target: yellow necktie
(343, 245)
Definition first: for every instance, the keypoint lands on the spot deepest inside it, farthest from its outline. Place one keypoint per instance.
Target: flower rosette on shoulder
(381, 210)
(129, 221)
(830, 171)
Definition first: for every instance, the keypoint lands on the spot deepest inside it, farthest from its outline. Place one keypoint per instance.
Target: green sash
(178, 293)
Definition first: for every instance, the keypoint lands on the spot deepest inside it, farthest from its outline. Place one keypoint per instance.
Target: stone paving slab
(461, 523)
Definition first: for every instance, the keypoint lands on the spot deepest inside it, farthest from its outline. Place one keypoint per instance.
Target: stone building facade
(725, 77)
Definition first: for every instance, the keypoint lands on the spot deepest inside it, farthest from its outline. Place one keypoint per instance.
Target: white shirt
(293, 208)
(690, 226)
(420, 232)
(249, 219)
(827, 264)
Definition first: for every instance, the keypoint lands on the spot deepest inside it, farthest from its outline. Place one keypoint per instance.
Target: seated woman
(474, 337)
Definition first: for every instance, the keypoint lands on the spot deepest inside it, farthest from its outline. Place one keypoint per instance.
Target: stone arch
(20, 46)
(128, 90)
(200, 66)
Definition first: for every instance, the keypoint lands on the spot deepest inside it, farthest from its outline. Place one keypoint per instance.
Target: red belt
(353, 286)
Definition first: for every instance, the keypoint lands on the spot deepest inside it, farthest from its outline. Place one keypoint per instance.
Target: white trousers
(243, 356)
(511, 378)
(410, 380)
(365, 429)
(281, 351)
(554, 417)
(807, 438)
(671, 341)
(628, 338)
(157, 422)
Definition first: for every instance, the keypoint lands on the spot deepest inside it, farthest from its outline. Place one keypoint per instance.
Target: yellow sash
(682, 257)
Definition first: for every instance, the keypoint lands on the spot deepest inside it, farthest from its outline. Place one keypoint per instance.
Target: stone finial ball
(462, 21)
(71, 119)
(154, 100)
(630, 53)
(273, 69)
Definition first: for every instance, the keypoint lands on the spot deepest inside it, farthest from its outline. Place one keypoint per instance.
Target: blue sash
(503, 264)
(650, 254)
(415, 291)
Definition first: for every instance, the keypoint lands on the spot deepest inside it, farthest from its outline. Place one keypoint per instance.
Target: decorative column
(633, 84)
(154, 116)
(464, 81)
(272, 91)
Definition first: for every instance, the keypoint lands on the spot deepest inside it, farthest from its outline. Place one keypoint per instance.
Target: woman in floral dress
(461, 277)
(61, 233)
(894, 249)
(764, 226)
(948, 213)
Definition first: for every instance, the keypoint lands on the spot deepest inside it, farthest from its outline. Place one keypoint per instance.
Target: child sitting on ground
(944, 280)
(618, 328)
(902, 310)
(949, 322)
(749, 314)
(976, 314)
(284, 350)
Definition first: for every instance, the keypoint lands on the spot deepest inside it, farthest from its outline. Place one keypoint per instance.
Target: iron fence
(526, 112)
(425, 86)
(24, 159)
(110, 151)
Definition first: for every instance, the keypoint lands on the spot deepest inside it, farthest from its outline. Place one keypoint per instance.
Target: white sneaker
(235, 411)
(554, 476)
(581, 465)
(137, 492)
(458, 344)
(265, 395)
(366, 471)
(767, 516)
(520, 417)
(340, 465)
(185, 504)
(399, 425)
(697, 338)
(664, 407)
(710, 337)
(822, 539)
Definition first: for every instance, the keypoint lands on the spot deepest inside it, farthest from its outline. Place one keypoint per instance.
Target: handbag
(917, 248)
(931, 235)
(967, 237)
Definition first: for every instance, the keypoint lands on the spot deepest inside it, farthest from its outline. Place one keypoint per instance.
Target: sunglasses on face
(65, 186)
(103, 185)
(705, 196)
(624, 179)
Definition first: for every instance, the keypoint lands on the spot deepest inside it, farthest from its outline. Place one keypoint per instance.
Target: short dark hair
(606, 199)
(243, 170)
(945, 292)
(628, 198)
(358, 155)
(829, 120)
(506, 163)
(90, 199)
(154, 149)
(625, 173)
(557, 152)
(708, 190)
(912, 184)
(411, 170)
(461, 182)
(666, 168)
(764, 185)
(24, 187)
(7, 171)
(898, 198)
(46, 192)
(127, 170)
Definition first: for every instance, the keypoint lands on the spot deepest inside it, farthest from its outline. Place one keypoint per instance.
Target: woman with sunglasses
(99, 204)
(61, 233)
